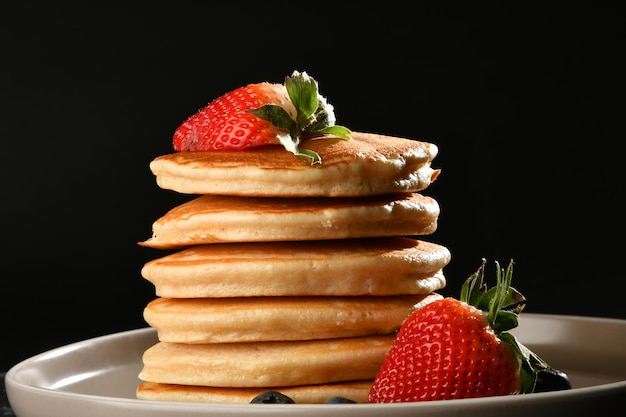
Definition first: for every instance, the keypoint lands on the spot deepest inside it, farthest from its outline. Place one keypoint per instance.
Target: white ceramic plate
(97, 377)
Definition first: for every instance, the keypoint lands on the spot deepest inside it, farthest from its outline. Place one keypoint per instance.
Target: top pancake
(367, 164)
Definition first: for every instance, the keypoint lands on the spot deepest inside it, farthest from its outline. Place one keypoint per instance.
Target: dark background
(526, 105)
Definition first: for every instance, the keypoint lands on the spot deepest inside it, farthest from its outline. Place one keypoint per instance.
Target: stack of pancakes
(284, 276)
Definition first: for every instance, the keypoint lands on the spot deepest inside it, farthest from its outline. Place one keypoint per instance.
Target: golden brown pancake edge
(213, 219)
(304, 394)
(254, 319)
(378, 266)
(266, 364)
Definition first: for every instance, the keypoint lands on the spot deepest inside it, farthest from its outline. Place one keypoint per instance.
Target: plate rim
(12, 382)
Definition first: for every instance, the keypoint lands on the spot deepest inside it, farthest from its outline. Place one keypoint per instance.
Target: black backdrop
(525, 104)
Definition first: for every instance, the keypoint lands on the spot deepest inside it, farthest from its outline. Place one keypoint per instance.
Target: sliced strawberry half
(261, 114)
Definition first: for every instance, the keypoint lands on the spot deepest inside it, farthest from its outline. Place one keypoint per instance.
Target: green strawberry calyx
(315, 117)
(502, 305)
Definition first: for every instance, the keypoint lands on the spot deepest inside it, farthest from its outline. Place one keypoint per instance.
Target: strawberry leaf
(276, 115)
(467, 290)
(531, 363)
(504, 320)
(291, 144)
(309, 155)
(473, 288)
(502, 304)
(314, 116)
(338, 131)
(302, 91)
(281, 119)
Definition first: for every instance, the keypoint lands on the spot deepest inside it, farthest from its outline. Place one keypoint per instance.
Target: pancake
(265, 364)
(377, 266)
(305, 394)
(254, 319)
(213, 219)
(367, 164)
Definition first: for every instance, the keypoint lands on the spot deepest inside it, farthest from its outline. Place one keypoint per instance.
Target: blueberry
(339, 400)
(271, 397)
(550, 379)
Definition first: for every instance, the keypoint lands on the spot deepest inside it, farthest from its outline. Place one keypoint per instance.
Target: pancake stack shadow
(288, 277)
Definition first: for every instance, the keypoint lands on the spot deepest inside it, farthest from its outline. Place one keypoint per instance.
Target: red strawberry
(460, 348)
(261, 114)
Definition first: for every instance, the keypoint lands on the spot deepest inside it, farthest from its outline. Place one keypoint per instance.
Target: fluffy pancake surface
(215, 218)
(254, 319)
(266, 364)
(377, 266)
(367, 164)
